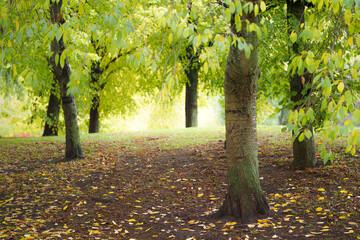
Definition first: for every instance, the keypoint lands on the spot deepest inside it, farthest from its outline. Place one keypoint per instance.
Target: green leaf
(293, 36)
(310, 113)
(301, 137)
(19, 37)
(256, 10)
(227, 15)
(129, 27)
(232, 7)
(326, 158)
(29, 32)
(308, 134)
(62, 60)
(58, 35)
(56, 59)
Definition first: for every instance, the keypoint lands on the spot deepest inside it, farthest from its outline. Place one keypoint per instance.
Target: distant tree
(304, 151)
(53, 111)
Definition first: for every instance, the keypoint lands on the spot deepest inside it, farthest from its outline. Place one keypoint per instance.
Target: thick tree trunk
(305, 151)
(192, 73)
(52, 114)
(73, 148)
(244, 198)
(94, 122)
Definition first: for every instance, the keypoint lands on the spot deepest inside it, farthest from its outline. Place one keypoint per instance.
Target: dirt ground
(156, 193)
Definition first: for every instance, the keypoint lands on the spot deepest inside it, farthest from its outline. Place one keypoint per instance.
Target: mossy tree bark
(245, 198)
(73, 148)
(191, 99)
(52, 115)
(304, 152)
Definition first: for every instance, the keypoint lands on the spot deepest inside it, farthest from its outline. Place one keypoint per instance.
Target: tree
(332, 34)
(53, 111)
(62, 72)
(304, 151)
(191, 88)
(245, 197)
(192, 73)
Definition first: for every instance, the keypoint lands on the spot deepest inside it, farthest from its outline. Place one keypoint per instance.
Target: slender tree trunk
(305, 151)
(73, 148)
(192, 73)
(94, 121)
(52, 114)
(245, 198)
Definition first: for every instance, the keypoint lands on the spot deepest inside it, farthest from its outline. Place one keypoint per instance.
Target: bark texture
(73, 148)
(94, 121)
(245, 198)
(191, 99)
(192, 73)
(52, 115)
(304, 152)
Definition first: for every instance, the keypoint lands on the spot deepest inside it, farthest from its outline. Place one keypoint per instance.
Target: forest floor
(165, 186)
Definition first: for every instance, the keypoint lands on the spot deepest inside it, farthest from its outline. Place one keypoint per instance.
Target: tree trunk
(52, 114)
(192, 72)
(304, 152)
(245, 198)
(94, 123)
(73, 148)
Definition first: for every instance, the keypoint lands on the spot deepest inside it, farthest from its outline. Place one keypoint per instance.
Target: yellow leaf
(65, 207)
(191, 221)
(130, 220)
(230, 223)
(262, 6)
(94, 232)
(340, 87)
(200, 195)
(321, 198)
(171, 37)
(319, 209)
(206, 67)
(321, 190)
(293, 36)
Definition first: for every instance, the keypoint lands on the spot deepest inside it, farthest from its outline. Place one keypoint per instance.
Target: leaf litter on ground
(160, 186)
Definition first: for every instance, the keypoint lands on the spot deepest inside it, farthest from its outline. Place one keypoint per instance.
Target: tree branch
(222, 4)
(117, 57)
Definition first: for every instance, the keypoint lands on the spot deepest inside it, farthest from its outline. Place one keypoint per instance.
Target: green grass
(170, 138)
